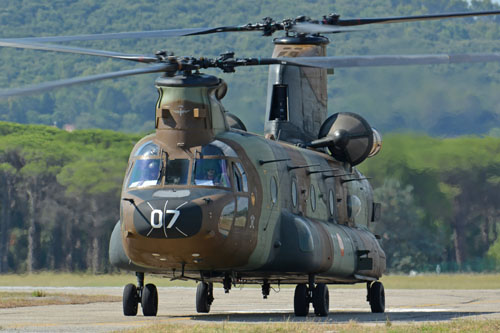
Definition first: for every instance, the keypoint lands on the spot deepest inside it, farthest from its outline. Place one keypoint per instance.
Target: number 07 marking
(157, 218)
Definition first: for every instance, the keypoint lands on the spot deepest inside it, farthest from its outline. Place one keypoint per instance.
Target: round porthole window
(331, 201)
(312, 195)
(294, 193)
(274, 190)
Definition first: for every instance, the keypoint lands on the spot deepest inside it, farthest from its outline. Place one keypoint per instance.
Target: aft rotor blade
(22, 44)
(36, 88)
(390, 60)
(135, 34)
(398, 19)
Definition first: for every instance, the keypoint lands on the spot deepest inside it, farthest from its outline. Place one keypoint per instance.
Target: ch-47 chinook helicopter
(205, 200)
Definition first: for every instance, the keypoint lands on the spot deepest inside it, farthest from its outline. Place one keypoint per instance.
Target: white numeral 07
(157, 218)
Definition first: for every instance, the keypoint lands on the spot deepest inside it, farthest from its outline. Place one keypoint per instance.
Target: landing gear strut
(317, 295)
(146, 295)
(266, 288)
(227, 283)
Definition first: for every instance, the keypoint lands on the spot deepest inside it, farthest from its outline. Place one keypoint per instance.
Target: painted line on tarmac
(333, 311)
(416, 310)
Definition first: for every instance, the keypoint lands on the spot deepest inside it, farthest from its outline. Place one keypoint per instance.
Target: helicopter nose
(167, 218)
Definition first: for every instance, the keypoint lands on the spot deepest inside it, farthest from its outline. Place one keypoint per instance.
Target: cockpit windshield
(210, 167)
(146, 172)
(211, 172)
(177, 172)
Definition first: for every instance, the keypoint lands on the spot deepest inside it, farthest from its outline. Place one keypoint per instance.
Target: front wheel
(204, 297)
(149, 301)
(130, 300)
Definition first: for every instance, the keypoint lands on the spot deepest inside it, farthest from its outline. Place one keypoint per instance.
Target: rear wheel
(377, 297)
(301, 300)
(130, 300)
(149, 300)
(321, 300)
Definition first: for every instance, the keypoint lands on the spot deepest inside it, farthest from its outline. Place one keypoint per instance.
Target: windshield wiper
(163, 169)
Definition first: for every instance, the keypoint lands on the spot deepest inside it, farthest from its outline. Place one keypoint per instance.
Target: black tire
(130, 300)
(203, 299)
(321, 300)
(301, 300)
(149, 300)
(377, 297)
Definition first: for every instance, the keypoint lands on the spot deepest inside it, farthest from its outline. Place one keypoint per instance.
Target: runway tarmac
(177, 305)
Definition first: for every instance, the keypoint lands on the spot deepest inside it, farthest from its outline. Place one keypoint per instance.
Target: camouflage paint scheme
(294, 221)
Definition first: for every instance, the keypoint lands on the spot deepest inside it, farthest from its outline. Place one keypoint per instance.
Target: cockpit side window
(240, 178)
(146, 172)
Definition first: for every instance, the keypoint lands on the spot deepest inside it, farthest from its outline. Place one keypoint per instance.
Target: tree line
(440, 201)
(438, 100)
(59, 196)
(60, 192)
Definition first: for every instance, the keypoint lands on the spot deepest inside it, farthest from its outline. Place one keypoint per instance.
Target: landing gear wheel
(149, 300)
(377, 297)
(130, 300)
(204, 297)
(301, 300)
(321, 300)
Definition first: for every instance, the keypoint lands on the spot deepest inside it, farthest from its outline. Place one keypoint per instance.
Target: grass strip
(453, 326)
(40, 298)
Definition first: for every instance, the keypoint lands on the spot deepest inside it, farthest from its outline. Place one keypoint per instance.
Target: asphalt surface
(177, 305)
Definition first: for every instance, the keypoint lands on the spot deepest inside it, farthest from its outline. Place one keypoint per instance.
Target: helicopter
(203, 199)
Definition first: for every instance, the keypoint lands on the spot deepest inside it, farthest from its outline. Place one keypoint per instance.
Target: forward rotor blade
(398, 19)
(22, 44)
(390, 60)
(36, 88)
(136, 34)
(313, 28)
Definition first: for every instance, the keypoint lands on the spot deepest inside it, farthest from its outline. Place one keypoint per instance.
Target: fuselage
(275, 211)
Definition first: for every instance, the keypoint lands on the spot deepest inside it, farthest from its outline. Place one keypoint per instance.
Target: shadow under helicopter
(341, 317)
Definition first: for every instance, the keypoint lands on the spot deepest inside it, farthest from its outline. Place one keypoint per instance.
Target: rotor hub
(302, 39)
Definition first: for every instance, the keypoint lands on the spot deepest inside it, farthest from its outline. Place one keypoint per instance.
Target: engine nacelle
(348, 137)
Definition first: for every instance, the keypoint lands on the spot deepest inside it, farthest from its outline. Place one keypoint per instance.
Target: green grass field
(388, 327)
(41, 298)
(49, 279)
(430, 281)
